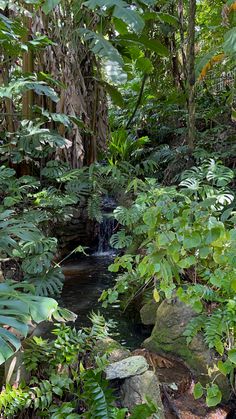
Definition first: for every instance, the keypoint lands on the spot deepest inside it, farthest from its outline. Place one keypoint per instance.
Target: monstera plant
(20, 308)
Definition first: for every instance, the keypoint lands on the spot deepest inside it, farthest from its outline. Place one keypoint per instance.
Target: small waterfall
(106, 229)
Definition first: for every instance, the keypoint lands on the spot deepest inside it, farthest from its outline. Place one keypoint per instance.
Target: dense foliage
(63, 384)
(135, 100)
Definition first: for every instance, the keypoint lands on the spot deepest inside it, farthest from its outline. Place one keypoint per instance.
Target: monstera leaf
(19, 308)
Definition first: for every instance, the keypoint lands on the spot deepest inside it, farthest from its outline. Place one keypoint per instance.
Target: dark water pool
(85, 281)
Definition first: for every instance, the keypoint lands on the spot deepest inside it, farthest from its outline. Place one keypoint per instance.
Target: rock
(128, 367)
(135, 389)
(167, 339)
(148, 313)
(116, 352)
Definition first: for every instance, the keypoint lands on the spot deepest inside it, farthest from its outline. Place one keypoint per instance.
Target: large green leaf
(114, 93)
(20, 308)
(229, 44)
(100, 46)
(49, 5)
(48, 282)
(121, 10)
(153, 45)
(23, 84)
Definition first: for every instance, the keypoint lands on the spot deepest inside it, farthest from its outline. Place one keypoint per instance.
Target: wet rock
(128, 367)
(135, 389)
(148, 313)
(167, 339)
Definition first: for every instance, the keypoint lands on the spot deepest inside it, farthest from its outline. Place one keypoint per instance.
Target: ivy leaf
(198, 391)
(214, 396)
(225, 367)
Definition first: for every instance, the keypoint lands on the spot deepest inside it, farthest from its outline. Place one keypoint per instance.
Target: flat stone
(128, 367)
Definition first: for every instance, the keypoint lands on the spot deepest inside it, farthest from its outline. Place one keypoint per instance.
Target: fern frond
(214, 330)
(94, 207)
(194, 326)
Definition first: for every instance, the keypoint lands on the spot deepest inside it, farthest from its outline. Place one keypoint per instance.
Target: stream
(86, 278)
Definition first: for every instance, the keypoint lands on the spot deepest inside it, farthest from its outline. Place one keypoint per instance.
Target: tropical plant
(61, 370)
(185, 245)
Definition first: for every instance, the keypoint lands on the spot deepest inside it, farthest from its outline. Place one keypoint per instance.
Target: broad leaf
(230, 41)
(121, 10)
(100, 46)
(49, 5)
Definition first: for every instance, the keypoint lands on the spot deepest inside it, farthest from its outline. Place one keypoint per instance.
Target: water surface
(85, 281)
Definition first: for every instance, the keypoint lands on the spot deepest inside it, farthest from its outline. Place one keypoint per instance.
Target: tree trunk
(191, 74)
(182, 38)
(27, 67)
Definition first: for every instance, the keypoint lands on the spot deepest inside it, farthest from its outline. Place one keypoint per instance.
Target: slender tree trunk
(191, 73)
(28, 67)
(178, 82)
(182, 38)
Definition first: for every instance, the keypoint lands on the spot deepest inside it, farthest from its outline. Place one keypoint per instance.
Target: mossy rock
(112, 348)
(148, 313)
(167, 339)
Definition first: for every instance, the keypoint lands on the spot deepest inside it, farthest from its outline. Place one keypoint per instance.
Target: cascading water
(105, 231)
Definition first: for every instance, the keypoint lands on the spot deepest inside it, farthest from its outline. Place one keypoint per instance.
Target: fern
(98, 396)
(194, 326)
(100, 327)
(214, 330)
(94, 207)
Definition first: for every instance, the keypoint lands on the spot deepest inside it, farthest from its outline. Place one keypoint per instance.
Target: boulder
(128, 367)
(114, 350)
(135, 389)
(167, 339)
(148, 313)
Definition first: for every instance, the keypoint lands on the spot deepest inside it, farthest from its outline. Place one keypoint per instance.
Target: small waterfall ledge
(105, 230)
